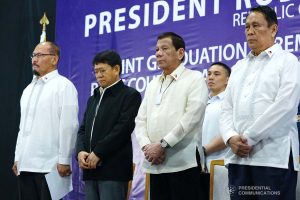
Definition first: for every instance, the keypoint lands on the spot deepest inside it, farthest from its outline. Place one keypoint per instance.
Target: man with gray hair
(258, 119)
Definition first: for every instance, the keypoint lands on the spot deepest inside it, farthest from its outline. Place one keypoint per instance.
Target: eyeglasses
(38, 55)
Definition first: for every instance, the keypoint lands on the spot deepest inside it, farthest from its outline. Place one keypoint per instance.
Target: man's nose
(158, 52)
(250, 30)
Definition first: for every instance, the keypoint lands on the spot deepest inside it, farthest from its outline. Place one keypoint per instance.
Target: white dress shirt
(261, 103)
(210, 129)
(48, 125)
(173, 109)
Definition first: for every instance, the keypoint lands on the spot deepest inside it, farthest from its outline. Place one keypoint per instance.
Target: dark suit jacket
(111, 138)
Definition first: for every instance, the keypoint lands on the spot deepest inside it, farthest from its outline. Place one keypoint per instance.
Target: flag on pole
(43, 37)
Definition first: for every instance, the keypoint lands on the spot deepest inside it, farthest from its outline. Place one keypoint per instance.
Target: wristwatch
(164, 144)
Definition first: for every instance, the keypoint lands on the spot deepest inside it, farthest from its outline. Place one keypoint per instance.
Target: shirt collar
(46, 77)
(175, 74)
(270, 51)
(110, 85)
(218, 96)
(113, 87)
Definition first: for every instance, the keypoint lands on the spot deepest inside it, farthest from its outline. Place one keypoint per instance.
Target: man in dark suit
(104, 148)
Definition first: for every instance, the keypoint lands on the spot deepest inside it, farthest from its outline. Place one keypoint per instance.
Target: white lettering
(204, 56)
(93, 86)
(165, 12)
(220, 53)
(216, 6)
(158, 12)
(185, 61)
(132, 65)
(119, 19)
(90, 22)
(135, 17)
(297, 42)
(241, 50)
(288, 43)
(236, 19)
(146, 15)
(213, 51)
(216, 53)
(199, 7)
(239, 19)
(232, 50)
(140, 83)
(191, 55)
(284, 11)
(287, 11)
(104, 21)
(176, 9)
(151, 63)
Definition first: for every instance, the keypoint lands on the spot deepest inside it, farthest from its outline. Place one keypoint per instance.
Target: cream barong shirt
(173, 109)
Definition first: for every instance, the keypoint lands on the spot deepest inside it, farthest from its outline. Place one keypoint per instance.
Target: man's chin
(162, 67)
(36, 73)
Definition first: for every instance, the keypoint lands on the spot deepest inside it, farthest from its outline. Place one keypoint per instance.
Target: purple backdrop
(213, 31)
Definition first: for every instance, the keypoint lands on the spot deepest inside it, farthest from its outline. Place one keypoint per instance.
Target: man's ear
(227, 81)
(180, 53)
(274, 28)
(54, 60)
(117, 68)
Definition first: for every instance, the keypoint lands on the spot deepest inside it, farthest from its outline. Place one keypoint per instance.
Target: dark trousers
(262, 183)
(176, 186)
(106, 190)
(33, 186)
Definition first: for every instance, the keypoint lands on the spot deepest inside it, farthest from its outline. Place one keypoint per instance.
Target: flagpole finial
(44, 22)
